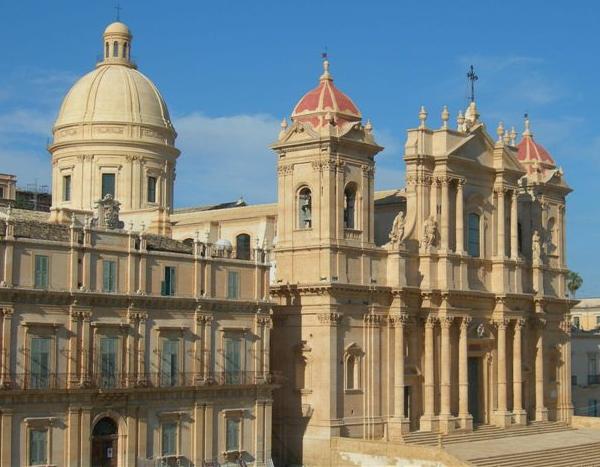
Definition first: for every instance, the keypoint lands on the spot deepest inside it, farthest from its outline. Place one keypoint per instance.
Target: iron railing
(113, 381)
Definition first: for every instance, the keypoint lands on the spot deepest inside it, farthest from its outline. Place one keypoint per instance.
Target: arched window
(304, 208)
(349, 207)
(106, 52)
(473, 235)
(520, 236)
(115, 49)
(125, 50)
(352, 367)
(242, 246)
(106, 426)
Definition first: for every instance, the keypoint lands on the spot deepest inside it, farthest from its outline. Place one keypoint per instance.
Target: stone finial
(460, 121)
(326, 75)
(369, 126)
(9, 211)
(142, 227)
(283, 126)
(507, 137)
(422, 116)
(130, 226)
(445, 117)
(500, 132)
(73, 220)
(527, 131)
(87, 221)
(513, 136)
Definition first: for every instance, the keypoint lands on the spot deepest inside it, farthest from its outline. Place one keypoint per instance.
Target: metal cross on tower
(472, 77)
(118, 8)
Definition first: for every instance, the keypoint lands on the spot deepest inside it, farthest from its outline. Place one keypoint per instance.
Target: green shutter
(37, 447)
(40, 362)
(41, 272)
(109, 280)
(233, 284)
(232, 442)
(169, 439)
(169, 364)
(108, 361)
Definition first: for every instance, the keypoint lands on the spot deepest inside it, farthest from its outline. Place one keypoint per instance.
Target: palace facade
(433, 307)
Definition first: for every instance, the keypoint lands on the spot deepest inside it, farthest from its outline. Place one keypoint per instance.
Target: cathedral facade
(338, 311)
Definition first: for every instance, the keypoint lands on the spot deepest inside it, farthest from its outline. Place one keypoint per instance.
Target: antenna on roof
(118, 9)
(472, 77)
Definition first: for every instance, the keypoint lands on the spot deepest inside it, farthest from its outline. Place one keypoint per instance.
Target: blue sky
(230, 70)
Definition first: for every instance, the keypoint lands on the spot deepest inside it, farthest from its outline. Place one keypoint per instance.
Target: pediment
(298, 132)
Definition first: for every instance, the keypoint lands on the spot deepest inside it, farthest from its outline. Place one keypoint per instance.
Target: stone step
(581, 455)
(484, 432)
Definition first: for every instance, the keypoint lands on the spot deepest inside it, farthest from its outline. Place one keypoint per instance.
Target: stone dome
(114, 94)
(326, 103)
(115, 100)
(532, 155)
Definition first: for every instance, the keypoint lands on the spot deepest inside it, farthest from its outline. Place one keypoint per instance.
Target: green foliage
(574, 282)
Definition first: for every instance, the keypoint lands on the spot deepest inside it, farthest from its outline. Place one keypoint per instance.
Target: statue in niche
(397, 234)
(481, 330)
(429, 233)
(536, 246)
(107, 213)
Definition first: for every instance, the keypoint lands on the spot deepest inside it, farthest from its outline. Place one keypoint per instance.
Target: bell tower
(325, 189)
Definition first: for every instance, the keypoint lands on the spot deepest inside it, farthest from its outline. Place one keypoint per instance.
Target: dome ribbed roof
(326, 102)
(114, 93)
(532, 154)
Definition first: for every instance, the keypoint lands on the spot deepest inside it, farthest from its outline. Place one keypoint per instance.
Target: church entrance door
(474, 364)
(105, 439)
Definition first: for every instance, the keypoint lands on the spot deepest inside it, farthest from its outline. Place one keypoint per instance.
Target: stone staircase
(484, 432)
(586, 455)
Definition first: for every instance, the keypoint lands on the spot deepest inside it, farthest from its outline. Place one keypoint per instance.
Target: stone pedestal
(503, 418)
(447, 423)
(520, 417)
(398, 427)
(429, 423)
(541, 414)
(466, 422)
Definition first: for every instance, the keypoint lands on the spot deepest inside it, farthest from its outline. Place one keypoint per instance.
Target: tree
(574, 282)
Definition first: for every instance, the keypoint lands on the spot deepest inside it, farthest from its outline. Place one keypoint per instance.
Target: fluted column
(85, 346)
(519, 413)
(514, 229)
(446, 424)
(502, 417)
(445, 214)
(460, 217)
(541, 412)
(141, 373)
(6, 345)
(433, 197)
(501, 252)
(400, 424)
(466, 420)
(428, 405)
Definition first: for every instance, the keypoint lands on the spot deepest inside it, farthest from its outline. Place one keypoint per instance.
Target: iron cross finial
(472, 77)
(118, 9)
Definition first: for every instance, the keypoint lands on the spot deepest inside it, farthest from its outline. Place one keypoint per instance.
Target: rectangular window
(41, 272)
(232, 437)
(576, 322)
(108, 362)
(67, 188)
(168, 284)
(233, 284)
(593, 408)
(233, 360)
(109, 276)
(38, 447)
(473, 240)
(152, 189)
(108, 185)
(2, 192)
(39, 362)
(169, 362)
(169, 439)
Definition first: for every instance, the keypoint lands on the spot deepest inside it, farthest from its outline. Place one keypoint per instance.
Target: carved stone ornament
(397, 234)
(430, 232)
(107, 213)
(331, 319)
(536, 246)
(481, 330)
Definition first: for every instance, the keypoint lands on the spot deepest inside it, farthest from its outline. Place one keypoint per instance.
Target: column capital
(331, 319)
(520, 323)
(399, 319)
(540, 323)
(501, 323)
(460, 183)
(8, 311)
(446, 322)
(465, 322)
(203, 318)
(430, 321)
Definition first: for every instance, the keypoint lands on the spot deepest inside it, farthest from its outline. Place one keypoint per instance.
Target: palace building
(133, 331)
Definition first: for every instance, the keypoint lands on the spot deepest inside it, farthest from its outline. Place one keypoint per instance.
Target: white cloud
(225, 157)
(26, 121)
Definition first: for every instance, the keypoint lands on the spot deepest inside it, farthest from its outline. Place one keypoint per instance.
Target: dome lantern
(117, 45)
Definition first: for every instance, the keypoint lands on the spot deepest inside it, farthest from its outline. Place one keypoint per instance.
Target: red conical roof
(533, 155)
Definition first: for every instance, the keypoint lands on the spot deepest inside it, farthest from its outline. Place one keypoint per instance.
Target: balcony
(119, 381)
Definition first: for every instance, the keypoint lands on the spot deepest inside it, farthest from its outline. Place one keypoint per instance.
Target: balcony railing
(108, 382)
(593, 379)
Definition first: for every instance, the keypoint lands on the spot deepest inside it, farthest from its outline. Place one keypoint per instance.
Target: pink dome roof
(326, 101)
(533, 155)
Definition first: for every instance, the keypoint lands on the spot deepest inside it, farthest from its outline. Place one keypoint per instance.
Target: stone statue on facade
(536, 246)
(429, 233)
(397, 234)
(107, 213)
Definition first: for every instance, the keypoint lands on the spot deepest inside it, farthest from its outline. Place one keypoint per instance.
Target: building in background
(586, 314)
(585, 378)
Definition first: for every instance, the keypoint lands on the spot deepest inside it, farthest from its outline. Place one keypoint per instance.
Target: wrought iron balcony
(118, 381)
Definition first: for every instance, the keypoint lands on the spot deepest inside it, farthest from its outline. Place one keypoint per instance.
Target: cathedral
(134, 333)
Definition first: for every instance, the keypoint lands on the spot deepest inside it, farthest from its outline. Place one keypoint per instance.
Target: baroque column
(6, 346)
(445, 214)
(503, 417)
(514, 226)
(446, 419)
(501, 251)
(541, 412)
(428, 416)
(399, 424)
(466, 419)
(460, 217)
(518, 412)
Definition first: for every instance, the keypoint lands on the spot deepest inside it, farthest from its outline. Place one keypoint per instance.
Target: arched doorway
(105, 439)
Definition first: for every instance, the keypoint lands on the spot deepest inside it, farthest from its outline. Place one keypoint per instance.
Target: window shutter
(172, 289)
